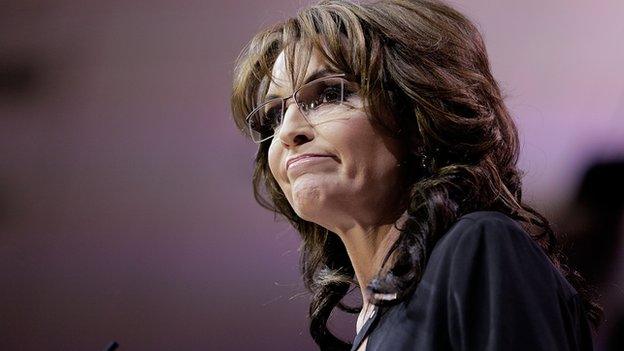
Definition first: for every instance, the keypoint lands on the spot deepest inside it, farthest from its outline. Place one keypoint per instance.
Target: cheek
(370, 154)
(272, 158)
(275, 157)
(358, 139)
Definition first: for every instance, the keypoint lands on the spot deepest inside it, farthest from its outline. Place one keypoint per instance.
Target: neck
(367, 247)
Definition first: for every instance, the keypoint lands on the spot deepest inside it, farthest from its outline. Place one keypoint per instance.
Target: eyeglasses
(317, 100)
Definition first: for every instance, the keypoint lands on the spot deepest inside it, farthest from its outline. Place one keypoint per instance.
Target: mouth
(306, 158)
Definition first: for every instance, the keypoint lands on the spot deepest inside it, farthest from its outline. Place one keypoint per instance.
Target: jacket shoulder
(490, 242)
(488, 226)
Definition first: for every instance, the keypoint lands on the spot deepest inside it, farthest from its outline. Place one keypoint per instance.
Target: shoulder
(485, 230)
(491, 226)
(490, 231)
(489, 286)
(493, 244)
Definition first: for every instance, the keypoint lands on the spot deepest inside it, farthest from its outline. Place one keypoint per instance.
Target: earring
(424, 160)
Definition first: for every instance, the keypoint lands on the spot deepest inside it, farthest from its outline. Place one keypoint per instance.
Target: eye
(273, 116)
(330, 94)
(325, 95)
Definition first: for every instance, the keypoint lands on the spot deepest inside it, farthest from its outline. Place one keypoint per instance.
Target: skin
(354, 192)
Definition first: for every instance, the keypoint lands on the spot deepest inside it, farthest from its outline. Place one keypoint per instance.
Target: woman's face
(350, 177)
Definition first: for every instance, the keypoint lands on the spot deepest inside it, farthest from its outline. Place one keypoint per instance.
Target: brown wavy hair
(426, 64)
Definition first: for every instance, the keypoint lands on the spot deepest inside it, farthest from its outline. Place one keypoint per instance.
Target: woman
(384, 140)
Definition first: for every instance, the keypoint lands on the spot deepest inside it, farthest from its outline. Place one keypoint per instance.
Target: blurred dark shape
(616, 341)
(601, 198)
(602, 186)
(593, 225)
(20, 76)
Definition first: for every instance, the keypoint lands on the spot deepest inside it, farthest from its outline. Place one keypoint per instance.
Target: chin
(310, 197)
(308, 211)
(309, 206)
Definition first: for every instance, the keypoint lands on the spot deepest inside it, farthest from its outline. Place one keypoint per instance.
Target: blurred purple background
(126, 210)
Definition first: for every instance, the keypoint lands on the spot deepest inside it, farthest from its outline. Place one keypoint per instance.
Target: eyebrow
(323, 72)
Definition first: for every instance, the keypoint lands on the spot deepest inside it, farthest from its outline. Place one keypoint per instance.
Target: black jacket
(487, 286)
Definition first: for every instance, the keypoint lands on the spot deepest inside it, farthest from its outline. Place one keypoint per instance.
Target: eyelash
(272, 113)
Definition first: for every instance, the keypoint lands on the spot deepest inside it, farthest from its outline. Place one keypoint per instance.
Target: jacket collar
(366, 328)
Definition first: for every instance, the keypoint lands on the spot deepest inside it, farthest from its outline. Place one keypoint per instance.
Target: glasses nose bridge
(286, 108)
(286, 104)
(293, 123)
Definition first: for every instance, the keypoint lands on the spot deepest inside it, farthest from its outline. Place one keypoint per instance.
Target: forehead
(281, 82)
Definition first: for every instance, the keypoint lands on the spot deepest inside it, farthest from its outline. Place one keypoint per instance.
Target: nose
(295, 129)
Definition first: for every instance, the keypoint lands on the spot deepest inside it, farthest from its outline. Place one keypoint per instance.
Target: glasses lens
(320, 97)
(264, 121)
(317, 100)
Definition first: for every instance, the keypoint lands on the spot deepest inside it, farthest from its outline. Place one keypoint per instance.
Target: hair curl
(427, 65)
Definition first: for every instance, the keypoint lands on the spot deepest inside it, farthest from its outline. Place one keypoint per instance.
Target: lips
(304, 156)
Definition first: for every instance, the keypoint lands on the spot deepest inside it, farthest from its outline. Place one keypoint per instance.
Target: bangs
(335, 32)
